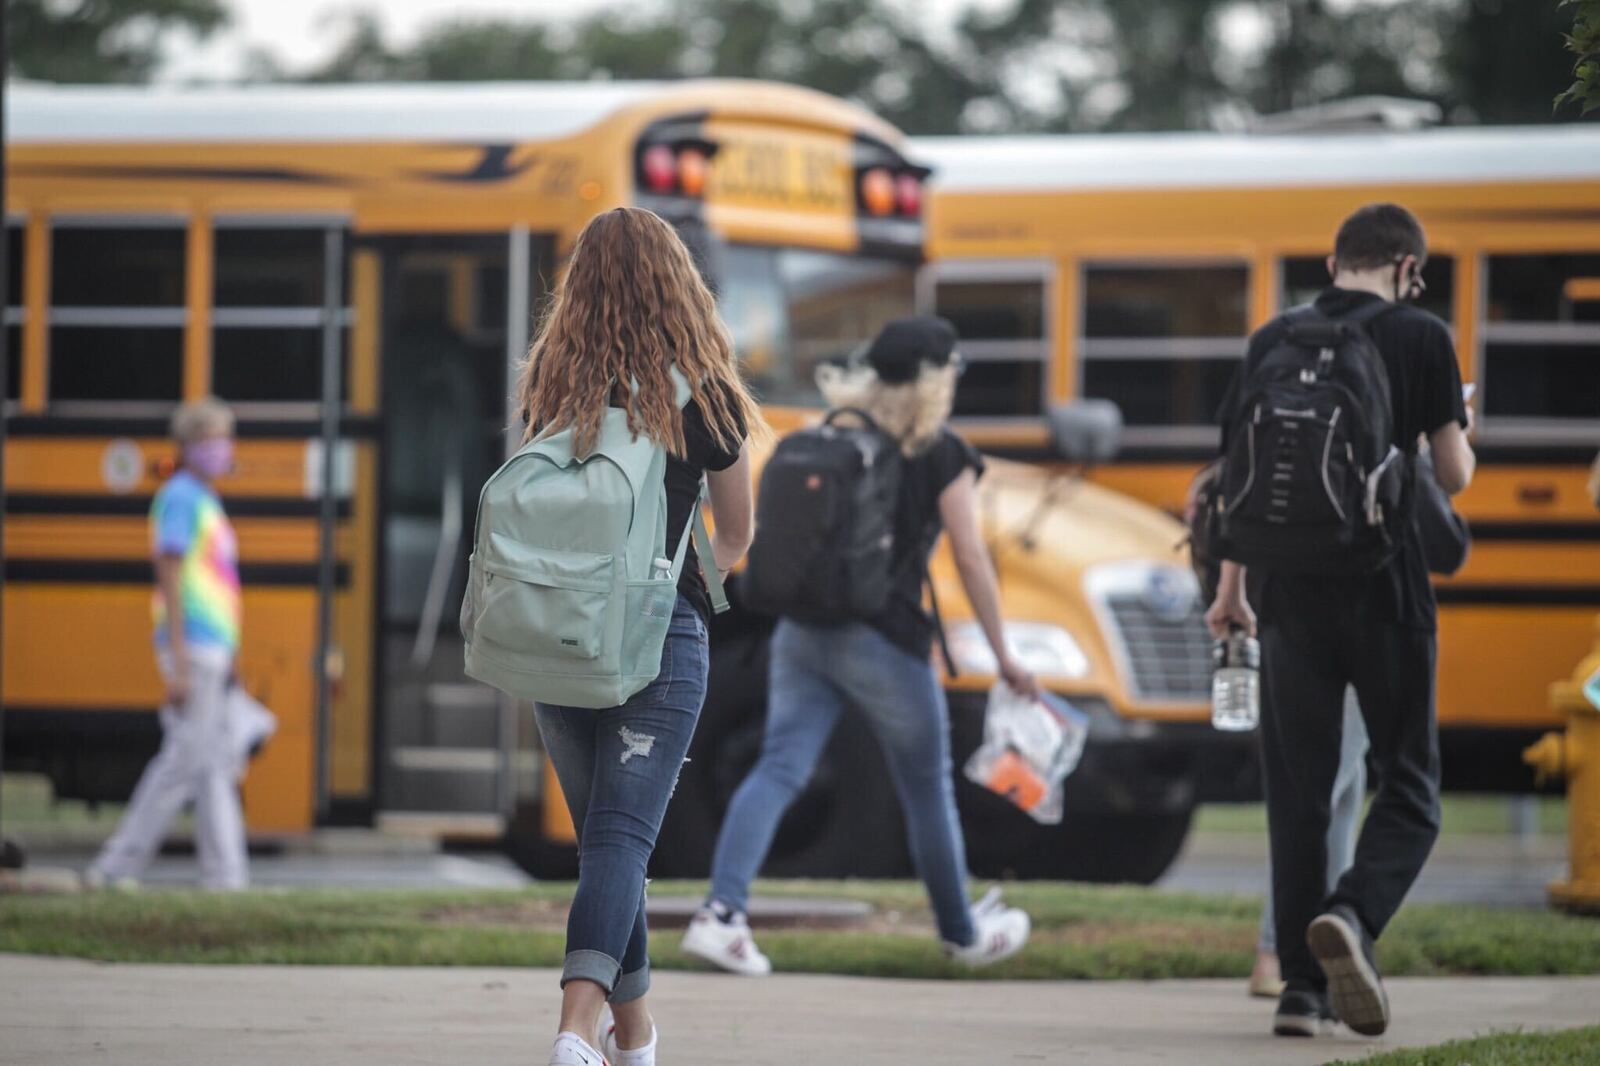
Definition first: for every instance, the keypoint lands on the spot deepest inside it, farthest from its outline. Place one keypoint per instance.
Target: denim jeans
(1349, 792)
(815, 671)
(617, 767)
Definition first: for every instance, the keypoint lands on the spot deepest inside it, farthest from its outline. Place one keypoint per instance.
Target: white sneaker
(640, 1056)
(94, 879)
(1000, 932)
(570, 1049)
(728, 945)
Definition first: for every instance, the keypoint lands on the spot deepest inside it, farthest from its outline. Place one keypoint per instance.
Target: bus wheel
(844, 823)
(1133, 848)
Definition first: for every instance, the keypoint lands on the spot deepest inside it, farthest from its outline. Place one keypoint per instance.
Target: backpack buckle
(1324, 362)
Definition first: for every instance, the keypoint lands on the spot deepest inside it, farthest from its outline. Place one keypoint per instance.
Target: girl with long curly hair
(630, 308)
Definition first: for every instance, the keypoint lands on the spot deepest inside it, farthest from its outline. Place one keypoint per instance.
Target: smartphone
(1468, 390)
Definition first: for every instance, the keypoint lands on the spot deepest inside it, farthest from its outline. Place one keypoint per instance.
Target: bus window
(1302, 277)
(1163, 341)
(266, 342)
(791, 309)
(1542, 337)
(1004, 338)
(13, 308)
(116, 310)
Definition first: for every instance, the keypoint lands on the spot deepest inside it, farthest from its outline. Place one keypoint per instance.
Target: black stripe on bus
(1537, 531)
(67, 504)
(355, 427)
(181, 173)
(1519, 595)
(139, 572)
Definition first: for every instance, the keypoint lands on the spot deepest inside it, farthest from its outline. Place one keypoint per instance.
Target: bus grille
(1170, 658)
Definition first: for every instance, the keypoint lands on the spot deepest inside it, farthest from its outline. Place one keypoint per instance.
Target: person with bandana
(196, 614)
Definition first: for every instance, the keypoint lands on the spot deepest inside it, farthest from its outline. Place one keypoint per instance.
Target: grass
(1570, 1047)
(1081, 932)
(1463, 815)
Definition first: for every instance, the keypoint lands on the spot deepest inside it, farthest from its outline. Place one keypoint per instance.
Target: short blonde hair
(200, 418)
(912, 412)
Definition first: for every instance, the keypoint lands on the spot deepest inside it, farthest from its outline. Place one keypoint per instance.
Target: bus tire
(846, 821)
(1107, 848)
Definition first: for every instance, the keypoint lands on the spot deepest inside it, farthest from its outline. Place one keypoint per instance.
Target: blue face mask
(210, 458)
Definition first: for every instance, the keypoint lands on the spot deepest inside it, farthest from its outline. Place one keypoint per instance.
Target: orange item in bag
(1013, 778)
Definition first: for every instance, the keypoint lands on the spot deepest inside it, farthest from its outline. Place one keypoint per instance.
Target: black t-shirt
(917, 529)
(1425, 391)
(702, 453)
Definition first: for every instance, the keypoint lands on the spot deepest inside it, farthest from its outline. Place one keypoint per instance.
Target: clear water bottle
(1236, 682)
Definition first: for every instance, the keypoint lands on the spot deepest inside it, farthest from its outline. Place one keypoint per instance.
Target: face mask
(210, 458)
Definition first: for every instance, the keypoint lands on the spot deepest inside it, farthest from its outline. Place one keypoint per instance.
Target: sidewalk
(59, 1011)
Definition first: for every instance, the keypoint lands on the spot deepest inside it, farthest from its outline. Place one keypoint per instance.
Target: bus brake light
(660, 168)
(908, 193)
(692, 167)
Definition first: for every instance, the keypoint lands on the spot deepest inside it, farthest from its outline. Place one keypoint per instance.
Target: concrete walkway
(58, 1011)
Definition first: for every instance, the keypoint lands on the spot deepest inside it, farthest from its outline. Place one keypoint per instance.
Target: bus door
(453, 329)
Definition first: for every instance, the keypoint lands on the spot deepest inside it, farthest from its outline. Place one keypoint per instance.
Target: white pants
(197, 763)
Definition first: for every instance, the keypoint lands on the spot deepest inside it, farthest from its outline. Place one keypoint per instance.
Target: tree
(1584, 42)
(100, 40)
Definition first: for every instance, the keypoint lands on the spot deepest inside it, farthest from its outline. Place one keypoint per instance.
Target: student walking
(196, 613)
(879, 666)
(1337, 570)
(632, 331)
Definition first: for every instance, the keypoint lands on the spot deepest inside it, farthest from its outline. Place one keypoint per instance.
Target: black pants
(1317, 637)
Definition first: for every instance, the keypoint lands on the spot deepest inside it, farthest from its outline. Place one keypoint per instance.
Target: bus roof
(394, 112)
(1190, 160)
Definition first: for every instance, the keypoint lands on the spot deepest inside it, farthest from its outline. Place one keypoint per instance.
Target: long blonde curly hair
(912, 413)
(631, 305)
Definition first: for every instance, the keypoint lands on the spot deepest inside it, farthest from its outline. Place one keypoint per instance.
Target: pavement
(55, 1012)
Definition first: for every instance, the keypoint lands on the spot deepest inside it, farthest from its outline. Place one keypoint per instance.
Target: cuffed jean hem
(587, 965)
(631, 986)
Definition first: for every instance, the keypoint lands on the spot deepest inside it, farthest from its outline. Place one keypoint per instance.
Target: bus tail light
(877, 191)
(693, 165)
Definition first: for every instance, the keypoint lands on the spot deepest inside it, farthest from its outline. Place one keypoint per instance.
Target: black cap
(901, 347)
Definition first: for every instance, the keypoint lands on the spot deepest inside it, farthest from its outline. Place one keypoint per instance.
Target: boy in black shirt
(1378, 633)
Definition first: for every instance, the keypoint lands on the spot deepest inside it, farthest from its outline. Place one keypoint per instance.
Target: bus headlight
(1047, 650)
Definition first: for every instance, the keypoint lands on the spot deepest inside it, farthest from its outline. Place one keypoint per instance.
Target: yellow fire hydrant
(1575, 755)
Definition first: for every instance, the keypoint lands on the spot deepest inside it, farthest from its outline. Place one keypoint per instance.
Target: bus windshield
(790, 309)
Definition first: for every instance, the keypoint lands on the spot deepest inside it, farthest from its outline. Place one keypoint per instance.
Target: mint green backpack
(568, 597)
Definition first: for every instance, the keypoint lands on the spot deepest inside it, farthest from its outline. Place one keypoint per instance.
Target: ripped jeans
(617, 767)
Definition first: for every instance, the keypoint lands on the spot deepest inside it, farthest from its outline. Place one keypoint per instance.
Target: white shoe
(570, 1049)
(95, 880)
(728, 945)
(1000, 932)
(640, 1056)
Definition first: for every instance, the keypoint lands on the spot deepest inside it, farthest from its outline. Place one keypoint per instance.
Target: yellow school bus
(1131, 269)
(386, 248)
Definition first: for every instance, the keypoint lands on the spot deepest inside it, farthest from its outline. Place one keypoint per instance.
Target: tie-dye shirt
(186, 520)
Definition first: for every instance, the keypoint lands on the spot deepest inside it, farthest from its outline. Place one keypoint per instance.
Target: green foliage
(100, 40)
(1080, 932)
(1571, 1047)
(1583, 42)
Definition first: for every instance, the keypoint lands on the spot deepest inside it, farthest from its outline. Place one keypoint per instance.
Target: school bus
(385, 249)
(1131, 269)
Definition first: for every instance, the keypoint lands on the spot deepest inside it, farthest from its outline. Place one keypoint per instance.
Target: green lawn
(1571, 1047)
(1463, 815)
(1080, 932)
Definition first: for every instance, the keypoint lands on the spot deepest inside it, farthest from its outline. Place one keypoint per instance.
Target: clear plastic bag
(1029, 748)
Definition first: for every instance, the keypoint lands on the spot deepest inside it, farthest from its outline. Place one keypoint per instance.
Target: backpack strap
(1367, 312)
(696, 527)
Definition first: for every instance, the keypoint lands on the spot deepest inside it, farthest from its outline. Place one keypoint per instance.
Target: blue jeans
(1349, 792)
(815, 671)
(618, 767)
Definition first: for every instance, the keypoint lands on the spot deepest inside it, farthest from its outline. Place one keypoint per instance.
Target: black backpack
(825, 523)
(1311, 481)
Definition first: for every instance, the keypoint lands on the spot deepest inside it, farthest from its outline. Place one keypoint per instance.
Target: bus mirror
(1086, 431)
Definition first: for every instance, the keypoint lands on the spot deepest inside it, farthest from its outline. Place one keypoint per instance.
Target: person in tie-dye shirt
(196, 611)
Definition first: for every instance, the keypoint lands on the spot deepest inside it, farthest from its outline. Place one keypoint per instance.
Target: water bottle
(1236, 682)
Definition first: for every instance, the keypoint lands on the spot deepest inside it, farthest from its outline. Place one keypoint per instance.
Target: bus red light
(692, 169)
(908, 194)
(660, 168)
(877, 191)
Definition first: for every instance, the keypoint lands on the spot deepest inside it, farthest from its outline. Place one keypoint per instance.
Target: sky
(299, 34)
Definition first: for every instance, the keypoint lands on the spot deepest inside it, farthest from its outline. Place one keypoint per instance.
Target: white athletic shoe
(570, 1049)
(1000, 933)
(728, 945)
(94, 879)
(639, 1056)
